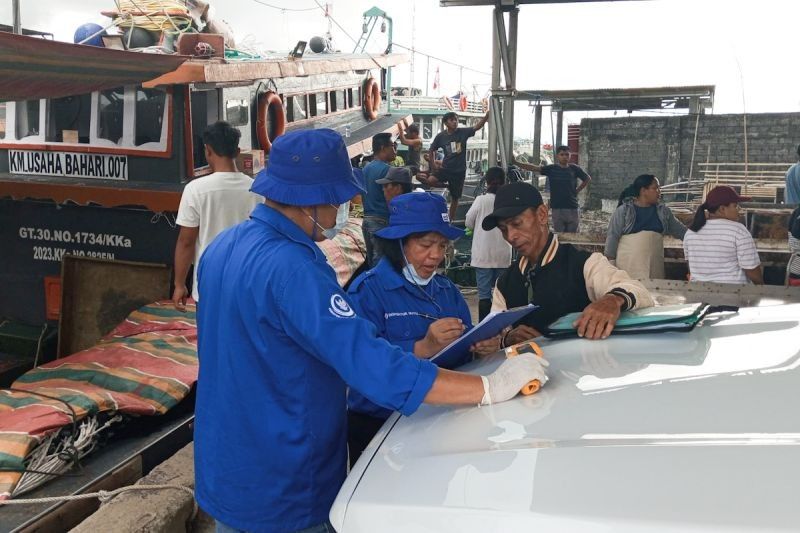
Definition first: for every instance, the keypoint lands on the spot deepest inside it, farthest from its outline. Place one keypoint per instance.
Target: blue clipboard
(455, 352)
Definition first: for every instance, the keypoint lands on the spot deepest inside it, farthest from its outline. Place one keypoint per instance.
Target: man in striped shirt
(718, 247)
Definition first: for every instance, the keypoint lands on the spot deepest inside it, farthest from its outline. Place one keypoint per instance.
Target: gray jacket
(622, 224)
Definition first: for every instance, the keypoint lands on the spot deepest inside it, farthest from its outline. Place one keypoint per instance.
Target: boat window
(340, 102)
(149, 115)
(298, 110)
(205, 106)
(27, 118)
(353, 97)
(237, 112)
(69, 119)
(427, 128)
(2, 120)
(319, 104)
(110, 107)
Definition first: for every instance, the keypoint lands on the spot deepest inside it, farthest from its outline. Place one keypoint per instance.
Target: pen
(430, 317)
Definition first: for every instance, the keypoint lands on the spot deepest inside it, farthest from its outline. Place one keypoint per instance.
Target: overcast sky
(747, 49)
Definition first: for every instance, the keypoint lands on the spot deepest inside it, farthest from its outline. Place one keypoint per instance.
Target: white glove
(509, 378)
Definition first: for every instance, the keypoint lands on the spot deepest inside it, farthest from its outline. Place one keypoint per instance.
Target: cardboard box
(70, 136)
(250, 162)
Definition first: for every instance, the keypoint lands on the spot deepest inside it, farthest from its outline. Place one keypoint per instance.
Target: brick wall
(615, 150)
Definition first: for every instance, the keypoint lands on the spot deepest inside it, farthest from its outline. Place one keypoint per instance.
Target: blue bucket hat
(308, 167)
(418, 212)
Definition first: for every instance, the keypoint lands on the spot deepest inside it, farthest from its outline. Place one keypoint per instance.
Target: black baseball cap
(510, 201)
(396, 175)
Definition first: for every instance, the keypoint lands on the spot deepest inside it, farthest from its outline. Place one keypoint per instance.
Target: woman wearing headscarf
(411, 305)
(636, 232)
(717, 246)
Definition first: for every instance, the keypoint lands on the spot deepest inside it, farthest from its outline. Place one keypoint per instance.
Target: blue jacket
(277, 341)
(398, 308)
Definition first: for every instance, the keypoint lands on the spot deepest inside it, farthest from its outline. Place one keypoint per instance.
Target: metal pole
(427, 73)
(559, 130)
(17, 22)
(511, 82)
(494, 122)
(537, 134)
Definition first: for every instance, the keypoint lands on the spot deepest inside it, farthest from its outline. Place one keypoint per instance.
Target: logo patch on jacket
(340, 308)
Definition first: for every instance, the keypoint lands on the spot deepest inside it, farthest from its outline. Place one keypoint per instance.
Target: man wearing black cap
(559, 278)
(396, 182)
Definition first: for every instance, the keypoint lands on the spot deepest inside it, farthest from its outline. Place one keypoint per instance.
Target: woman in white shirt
(491, 254)
(718, 247)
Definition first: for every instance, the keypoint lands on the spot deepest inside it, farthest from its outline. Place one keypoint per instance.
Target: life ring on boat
(448, 103)
(271, 119)
(462, 103)
(371, 99)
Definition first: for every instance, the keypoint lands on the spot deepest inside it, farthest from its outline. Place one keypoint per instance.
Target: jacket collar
(268, 216)
(546, 258)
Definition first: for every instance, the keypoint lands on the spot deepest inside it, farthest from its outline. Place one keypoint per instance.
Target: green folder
(682, 317)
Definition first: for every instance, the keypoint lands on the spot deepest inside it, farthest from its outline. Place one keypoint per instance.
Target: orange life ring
(448, 103)
(462, 103)
(371, 99)
(271, 119)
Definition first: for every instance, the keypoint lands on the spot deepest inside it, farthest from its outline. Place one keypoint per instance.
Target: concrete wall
(615, 150)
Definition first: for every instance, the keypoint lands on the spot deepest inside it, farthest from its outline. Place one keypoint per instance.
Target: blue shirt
(398, 308)
(277, 341)
(374, 200)
(646, 219)
(793, 184)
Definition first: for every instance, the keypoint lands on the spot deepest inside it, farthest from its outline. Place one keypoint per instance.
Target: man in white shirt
(491, 253)
(210, 204)
(718, 247)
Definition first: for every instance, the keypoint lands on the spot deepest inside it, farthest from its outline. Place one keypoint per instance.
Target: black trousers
(360, 430)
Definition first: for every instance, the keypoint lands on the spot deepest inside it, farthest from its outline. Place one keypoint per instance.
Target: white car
(696, 431)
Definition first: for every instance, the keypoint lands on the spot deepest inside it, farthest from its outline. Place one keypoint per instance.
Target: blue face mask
(410, 273)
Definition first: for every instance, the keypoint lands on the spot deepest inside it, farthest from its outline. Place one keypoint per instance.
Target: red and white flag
(436, 79)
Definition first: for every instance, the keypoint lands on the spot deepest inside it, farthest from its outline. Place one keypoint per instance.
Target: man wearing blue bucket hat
(411, 305)
(278, 343)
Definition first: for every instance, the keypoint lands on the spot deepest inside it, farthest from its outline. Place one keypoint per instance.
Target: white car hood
(658, 432)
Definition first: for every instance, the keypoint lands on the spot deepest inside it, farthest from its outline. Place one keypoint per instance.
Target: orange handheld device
(521, 348)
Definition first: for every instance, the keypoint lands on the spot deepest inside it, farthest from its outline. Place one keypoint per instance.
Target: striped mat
(145, 366)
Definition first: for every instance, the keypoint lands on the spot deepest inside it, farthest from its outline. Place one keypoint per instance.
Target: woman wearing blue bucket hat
(411, 305)
(278, 343)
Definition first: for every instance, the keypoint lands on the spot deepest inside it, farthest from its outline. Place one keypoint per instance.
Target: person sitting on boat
(451, 172)
(376, 213)
(491, 254)
(279, 343)
(793, 268)
(717, 246)
(559, 278)
(397, 181)
(635, 238)
(409, 136)
(411, 305)
(210, 204)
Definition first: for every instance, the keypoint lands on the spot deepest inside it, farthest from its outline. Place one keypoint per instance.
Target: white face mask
(410, 273)
(342, 212)
(342, 215)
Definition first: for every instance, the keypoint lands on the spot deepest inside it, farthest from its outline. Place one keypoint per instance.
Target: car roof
(660, 432)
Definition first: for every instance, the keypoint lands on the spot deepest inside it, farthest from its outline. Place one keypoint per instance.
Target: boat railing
(436, 103)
